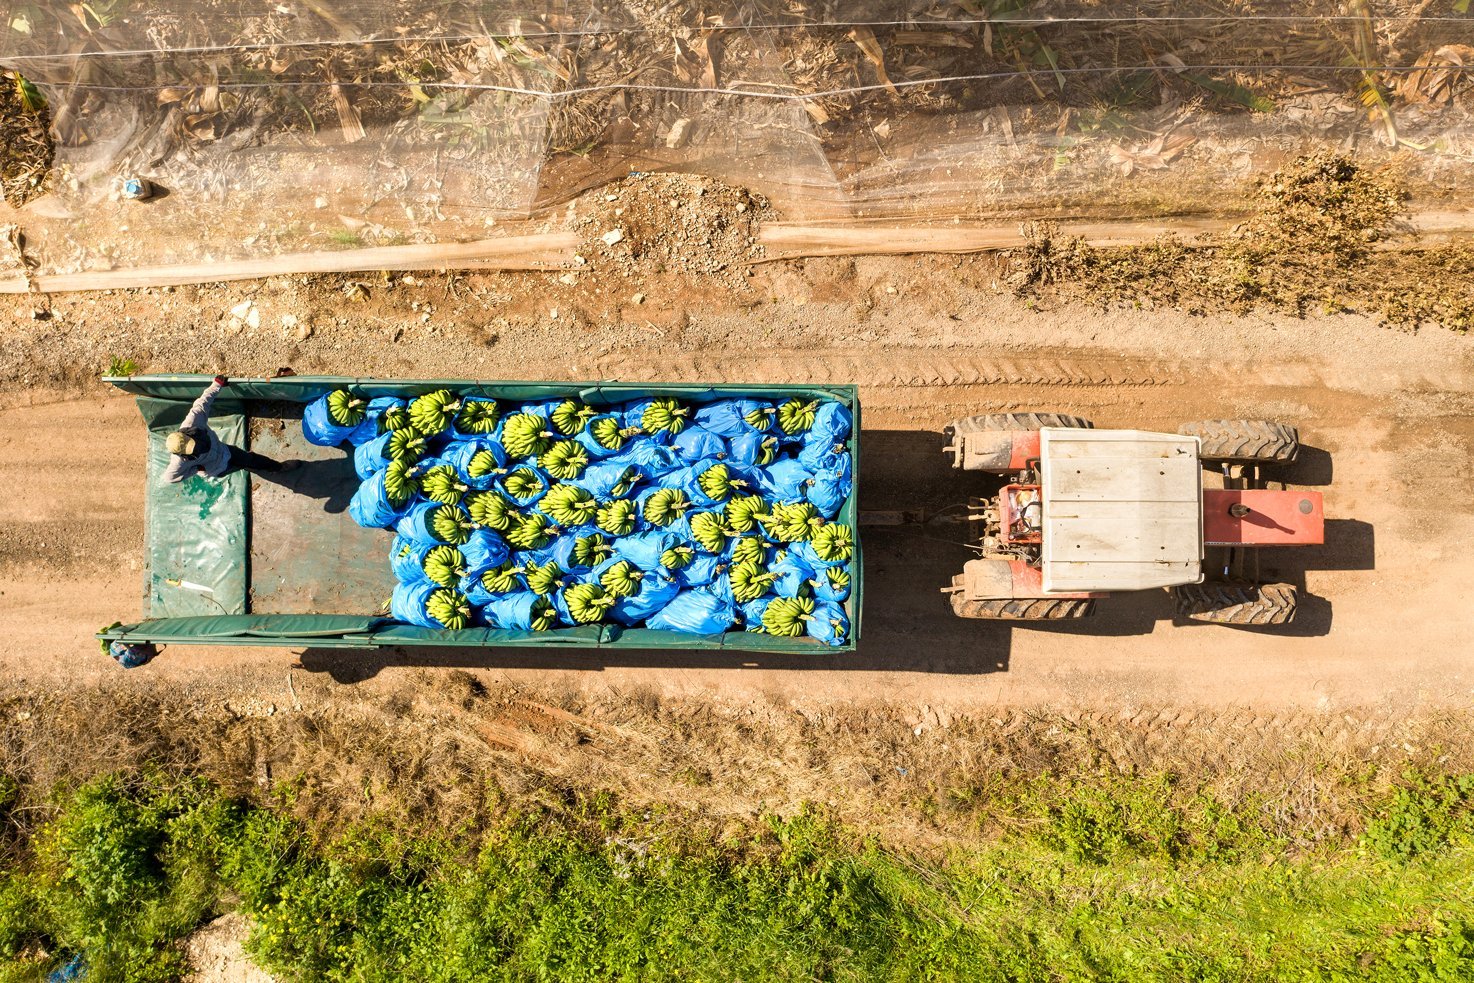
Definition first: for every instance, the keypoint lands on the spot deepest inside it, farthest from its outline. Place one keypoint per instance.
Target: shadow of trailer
(275, 560)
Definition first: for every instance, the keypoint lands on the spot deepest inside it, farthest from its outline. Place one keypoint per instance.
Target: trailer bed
(277, 560)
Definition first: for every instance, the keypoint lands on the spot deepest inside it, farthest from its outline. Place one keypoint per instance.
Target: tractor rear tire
(1237, 604)
(1017, 421)
(1025, 608)
(1247, 441)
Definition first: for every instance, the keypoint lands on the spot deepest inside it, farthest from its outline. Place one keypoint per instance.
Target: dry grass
(1326, 237)
(25, 140)
(443, 753)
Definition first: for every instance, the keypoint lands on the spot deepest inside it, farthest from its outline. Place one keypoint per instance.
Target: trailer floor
(307, 555)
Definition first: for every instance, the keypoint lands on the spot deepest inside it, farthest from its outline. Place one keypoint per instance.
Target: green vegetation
(1121, 879)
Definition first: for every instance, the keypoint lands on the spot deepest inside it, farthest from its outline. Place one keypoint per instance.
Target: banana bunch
(785, 616)
(796, 416)
(445, 566)
(749, 549)
(450, 608)
(608, 434)
(544, 615)
(544, 579)
(719, 483)
(491, 509)
(666, 506)
(592, 550)
(588, 603)
(793, 522)
(677, 557)
(617, 517)
(571, 416)
(760, 418)
(839, 577)
(626, 482)
(407, 444)
(565, 460)
(532, 531)
(749, 581)
(442, 484)
(395, 418)
(767, 452)
(431, 413)
(483, 463)
(744, 513)
(526, 435)
(664, 415)
(709, 531)
(523, 484)
(834, 542)
(570, 505)
(346, 409)
(400, 482)
(622, 579)
(451, 524)
(478, 416)
(502, 579)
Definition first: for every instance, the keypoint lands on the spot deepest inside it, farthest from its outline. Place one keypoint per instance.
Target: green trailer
(276, 560)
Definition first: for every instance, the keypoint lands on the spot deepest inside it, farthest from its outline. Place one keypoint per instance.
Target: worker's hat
(180, 443)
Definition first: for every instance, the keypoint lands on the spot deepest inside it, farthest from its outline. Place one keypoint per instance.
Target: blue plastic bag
(655, 460)
(586, 436)
(484, 549)
(785, 480)
(832, 424)
(794, 575)
(728, 417)
(370, 506)
(695, 612)
(600, 479)
(656, 591)
(748, 448)
(828, 624)
(407, 560)
(697, 442)
(369, 428)
(644, 549)
(458, 455)
(407, 604)
(371, 457)
(752, 613)
(831, 485)
(702, 570)
(414, 525)
(318, 426)
(511, 611)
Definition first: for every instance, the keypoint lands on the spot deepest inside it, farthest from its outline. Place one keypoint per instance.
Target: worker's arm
(199, 413)
(178, 470)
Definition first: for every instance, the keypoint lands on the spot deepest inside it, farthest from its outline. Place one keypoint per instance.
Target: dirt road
(1386, 417)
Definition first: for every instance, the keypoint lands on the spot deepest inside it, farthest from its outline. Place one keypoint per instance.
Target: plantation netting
(686, 516)
(307, 125)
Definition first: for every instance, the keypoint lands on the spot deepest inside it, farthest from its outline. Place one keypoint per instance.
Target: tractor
(1084, 513)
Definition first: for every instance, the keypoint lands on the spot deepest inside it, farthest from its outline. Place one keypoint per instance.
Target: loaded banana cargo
(490, 514)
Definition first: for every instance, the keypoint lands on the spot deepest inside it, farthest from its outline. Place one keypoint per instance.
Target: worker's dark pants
(249, 461)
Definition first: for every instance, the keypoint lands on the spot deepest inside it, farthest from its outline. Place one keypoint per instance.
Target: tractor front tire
(1245, 441)
(1025, 608)
(1237, 604)
(1017, 421)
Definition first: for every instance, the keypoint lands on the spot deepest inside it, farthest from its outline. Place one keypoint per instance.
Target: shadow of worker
(332, 479)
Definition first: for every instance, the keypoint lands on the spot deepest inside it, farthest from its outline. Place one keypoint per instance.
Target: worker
(196, 449)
